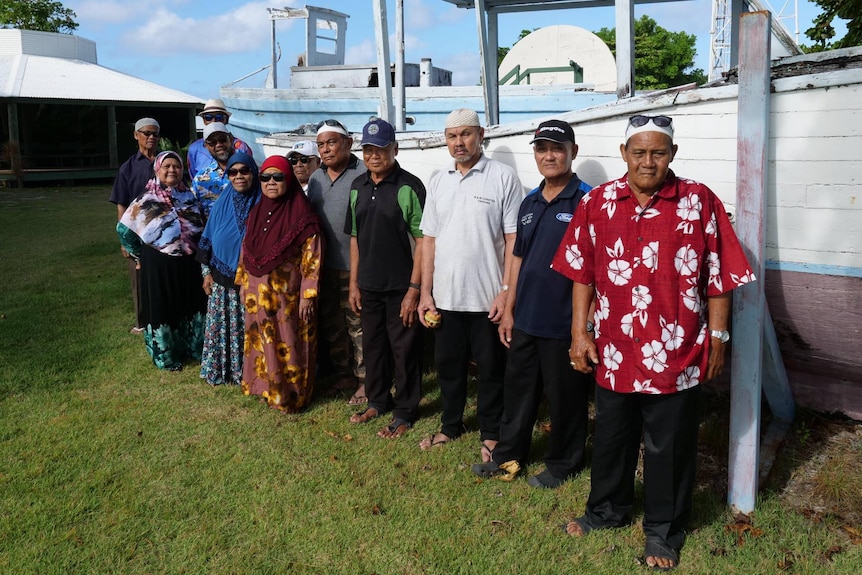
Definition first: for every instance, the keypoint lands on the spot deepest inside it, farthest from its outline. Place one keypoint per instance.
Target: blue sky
(196, 46)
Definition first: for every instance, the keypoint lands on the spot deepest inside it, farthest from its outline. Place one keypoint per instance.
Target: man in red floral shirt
(660, 257)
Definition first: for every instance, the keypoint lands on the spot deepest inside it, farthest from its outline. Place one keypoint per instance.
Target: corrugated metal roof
(38, 65)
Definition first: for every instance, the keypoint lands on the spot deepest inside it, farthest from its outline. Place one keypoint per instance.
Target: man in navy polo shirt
(383, 217)
(536, 324)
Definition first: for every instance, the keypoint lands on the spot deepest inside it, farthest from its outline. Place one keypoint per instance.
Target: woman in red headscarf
(278, 276)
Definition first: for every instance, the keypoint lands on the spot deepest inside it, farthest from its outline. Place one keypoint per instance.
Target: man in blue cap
(383, 217)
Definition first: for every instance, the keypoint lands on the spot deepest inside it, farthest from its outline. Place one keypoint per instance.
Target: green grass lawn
(108, 465)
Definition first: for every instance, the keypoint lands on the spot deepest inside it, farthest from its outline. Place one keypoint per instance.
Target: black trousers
(460, 336)
(390, 347)
(669, 424)
(536, 365)
(135, 280)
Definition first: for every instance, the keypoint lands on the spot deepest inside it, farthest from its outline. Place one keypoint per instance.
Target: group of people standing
(624, 288)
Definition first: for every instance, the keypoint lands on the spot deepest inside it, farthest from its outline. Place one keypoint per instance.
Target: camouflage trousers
(339, 326)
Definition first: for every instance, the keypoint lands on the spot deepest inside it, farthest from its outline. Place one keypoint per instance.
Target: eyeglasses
(214, 117)
(232, 172)
(298, 159)
(277, 176)
(148, 134)
(217, 140)
(641, 120)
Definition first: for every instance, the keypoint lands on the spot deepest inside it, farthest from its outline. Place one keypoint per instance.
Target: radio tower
(721, 32)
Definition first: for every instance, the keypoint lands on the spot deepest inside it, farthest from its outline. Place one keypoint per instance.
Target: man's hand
(716, 358)
(408, 307)
(498, 306)
(208, 284)
(426, 304)
(583, 354)
(125, 252)
(507, 324)
(355, 298)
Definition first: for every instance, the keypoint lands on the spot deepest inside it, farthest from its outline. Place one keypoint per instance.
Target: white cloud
(362, 53)
(243, 29)
(418, 15)
(464, 67)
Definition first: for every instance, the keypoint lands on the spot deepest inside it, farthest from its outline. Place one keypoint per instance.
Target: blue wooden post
(748, 301)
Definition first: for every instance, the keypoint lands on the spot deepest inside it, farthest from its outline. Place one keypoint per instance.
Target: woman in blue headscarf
(161, 230)
(219, 253)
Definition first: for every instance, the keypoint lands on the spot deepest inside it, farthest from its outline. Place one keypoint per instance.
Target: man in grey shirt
(329, 193)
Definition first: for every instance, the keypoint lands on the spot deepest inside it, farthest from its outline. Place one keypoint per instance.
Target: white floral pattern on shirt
(653, 336)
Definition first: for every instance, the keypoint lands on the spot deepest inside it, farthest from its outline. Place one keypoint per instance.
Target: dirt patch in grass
(821, 469)
(817, 470)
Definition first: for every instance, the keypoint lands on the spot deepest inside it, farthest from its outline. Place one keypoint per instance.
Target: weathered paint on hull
(259, 112)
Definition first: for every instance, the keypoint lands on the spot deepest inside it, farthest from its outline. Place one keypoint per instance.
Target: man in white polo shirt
(469, 224)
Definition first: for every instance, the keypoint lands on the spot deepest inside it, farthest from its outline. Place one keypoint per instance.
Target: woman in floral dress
(218, 252)
(161, 230)
(278, 276)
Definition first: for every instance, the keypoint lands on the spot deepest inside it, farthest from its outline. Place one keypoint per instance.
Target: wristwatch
(722, 336)
(590, 326)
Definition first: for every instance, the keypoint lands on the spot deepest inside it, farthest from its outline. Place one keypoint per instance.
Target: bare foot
(435, 440)
(364, 416)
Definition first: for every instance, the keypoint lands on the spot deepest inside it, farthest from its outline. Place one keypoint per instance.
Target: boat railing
(520, 76)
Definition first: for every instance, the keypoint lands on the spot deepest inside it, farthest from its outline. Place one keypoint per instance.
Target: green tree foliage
(37, 15)
(501, 52)
(662, 58)
(823, 31)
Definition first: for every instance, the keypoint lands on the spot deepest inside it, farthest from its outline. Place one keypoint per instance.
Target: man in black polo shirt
(383, 219)
(536, 324)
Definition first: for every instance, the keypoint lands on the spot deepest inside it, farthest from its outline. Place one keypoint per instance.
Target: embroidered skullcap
(462, 117)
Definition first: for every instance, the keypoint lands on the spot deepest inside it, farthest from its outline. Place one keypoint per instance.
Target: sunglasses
(277, 176)
(298, 159)
(217, 140)
(214, 117)
(641, 120)
(245, 170)
(148, 134)
(333, 123)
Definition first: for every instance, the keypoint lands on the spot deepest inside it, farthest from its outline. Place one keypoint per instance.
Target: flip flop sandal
(429, 442)
(487, 453)
(397, 423)
(584, 523)
(657, 548)
(365, 416)
(357, 400)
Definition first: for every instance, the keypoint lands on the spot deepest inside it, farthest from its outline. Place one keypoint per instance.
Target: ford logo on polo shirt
(564, 217)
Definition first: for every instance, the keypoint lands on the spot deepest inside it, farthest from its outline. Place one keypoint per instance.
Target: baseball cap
(378, 132)
(554, 131)
(214, 127)
(305, 148)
